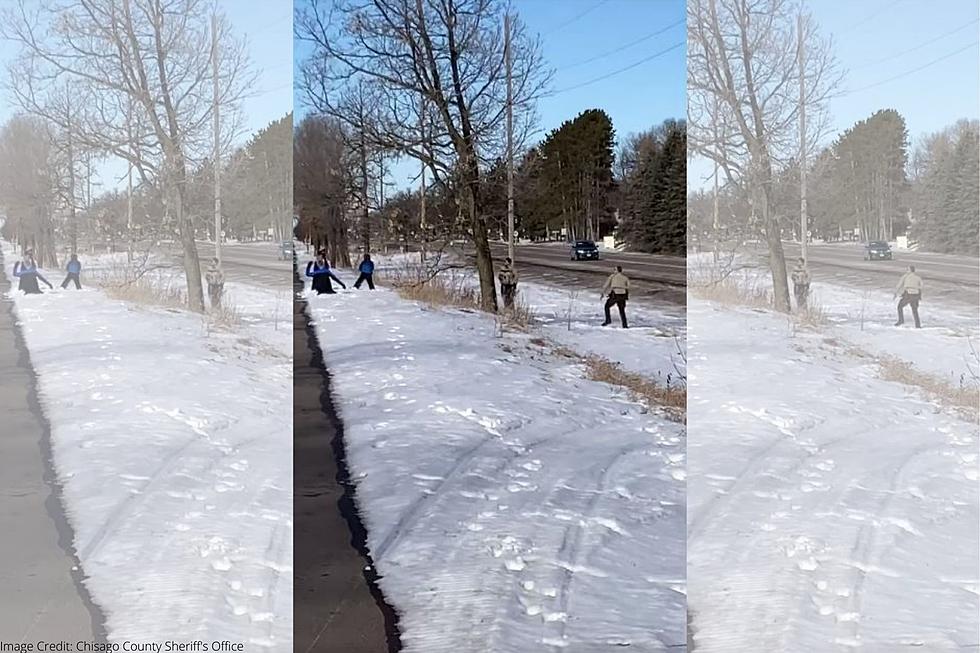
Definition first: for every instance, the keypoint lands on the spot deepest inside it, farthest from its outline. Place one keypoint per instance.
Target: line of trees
(426, 80)
(945, 190)
(865, 185)
(131, 80)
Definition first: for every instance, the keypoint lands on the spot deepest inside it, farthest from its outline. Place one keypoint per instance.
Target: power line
(887, 5)
(914, 70)
(576, 17)
(626, 46)
(621, 70)
(917, 47)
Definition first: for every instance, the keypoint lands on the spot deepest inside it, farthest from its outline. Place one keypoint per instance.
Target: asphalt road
(653, 276)
(41, 591)
(254, 263)
(945, 276)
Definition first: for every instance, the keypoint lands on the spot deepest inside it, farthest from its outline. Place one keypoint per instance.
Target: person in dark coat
(74, 268)
(27, 271)
(319, 270)
(366, 268)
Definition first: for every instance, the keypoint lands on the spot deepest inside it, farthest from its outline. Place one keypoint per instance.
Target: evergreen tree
(654, 217)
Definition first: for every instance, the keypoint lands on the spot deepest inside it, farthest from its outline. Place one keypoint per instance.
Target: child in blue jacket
(74, 268)
(366, 268)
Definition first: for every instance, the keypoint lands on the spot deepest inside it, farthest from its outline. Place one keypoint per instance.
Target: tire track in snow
(571, 550)
(867, 536)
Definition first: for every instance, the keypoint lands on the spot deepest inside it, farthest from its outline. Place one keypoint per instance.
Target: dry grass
(735, 291)
(441, 292)
(964, 397)
(122, 283)
(227, 315)
(813, 315)
(670, 397)
(451, 289)
(753, 292)
(147, 292)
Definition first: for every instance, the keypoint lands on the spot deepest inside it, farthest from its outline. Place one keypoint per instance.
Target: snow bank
(511, 505)
(172, 440)
(827, 509)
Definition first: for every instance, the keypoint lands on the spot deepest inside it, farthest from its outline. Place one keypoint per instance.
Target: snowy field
(946, 347)
(511, 504)
(827, 509)
(653, 346)
(172, 439)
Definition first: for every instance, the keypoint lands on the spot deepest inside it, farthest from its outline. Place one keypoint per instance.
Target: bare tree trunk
(192, 264)
(777, 258)
(478, 224)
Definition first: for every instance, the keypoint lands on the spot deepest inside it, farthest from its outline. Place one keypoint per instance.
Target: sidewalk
(336, 606)
(42, 595)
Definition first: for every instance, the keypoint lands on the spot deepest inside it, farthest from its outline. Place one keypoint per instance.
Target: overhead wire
(914, 70)
(620, 70)
(625, 46)
(575, 18)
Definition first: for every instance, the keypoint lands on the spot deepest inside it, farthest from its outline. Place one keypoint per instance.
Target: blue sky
(575, 31)
(268, 29)
(872, 41)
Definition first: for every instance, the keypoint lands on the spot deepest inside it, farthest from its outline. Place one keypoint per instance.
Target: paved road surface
(255, 263)
(336, 605)
(41, 596)
(948, 277)
(654, 276)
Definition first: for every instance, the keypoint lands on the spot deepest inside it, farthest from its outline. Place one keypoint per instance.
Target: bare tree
(743, 74)
(152, 57)
(443, 57)
(322, 180)
(29, 184)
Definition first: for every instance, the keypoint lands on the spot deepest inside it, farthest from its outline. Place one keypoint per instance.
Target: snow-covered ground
(946, 347)
(653, 346)
(511, 504)
(172, 439)
(827, 509)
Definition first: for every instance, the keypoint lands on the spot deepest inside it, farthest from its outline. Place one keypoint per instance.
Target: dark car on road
(585, 249)
(285, 250)
(878, 250)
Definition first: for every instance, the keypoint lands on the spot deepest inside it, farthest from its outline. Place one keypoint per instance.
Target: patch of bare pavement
(337, 605)
(42, 596)
(946, 276)
(655, 278)
(254, 263)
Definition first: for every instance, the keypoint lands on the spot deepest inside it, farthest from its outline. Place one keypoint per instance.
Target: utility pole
(71, 174)
(217, 139)
(510, 141)
(422, 197)
(714, 220)
(365, 209)
(804, 233)
(381, 201)
(129, 183)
